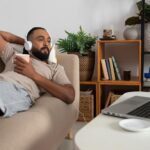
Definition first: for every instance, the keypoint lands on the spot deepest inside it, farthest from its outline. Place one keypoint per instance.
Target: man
(22, 82)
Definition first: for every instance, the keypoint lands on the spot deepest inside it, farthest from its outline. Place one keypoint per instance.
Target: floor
(69, 144)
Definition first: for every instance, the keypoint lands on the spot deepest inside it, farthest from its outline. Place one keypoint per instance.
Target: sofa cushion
(43, 126)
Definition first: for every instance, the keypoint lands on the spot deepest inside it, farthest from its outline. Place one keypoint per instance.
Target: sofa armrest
(70, 62)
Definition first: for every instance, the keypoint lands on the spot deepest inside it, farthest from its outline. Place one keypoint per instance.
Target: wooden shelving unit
(99, 83)
(118, 45)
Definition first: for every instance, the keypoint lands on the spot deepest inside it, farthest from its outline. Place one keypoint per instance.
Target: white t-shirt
(51, 71)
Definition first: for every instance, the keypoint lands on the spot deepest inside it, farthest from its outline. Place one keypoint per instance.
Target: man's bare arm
(9, 37)
(64, 92)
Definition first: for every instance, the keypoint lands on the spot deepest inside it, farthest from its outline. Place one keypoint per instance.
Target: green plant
(76, 42)
(137, 19)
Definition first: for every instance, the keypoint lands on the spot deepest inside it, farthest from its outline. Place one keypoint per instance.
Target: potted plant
(136, 20)
(81, 44)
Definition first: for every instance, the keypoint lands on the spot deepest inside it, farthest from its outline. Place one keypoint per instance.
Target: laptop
(134, 107)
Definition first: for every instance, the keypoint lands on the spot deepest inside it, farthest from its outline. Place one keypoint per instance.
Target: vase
(131, 33)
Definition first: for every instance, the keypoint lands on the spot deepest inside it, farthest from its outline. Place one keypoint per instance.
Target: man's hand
(24, 67)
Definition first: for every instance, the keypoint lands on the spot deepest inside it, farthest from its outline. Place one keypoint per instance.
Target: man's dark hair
(29, 34)
(32, 30)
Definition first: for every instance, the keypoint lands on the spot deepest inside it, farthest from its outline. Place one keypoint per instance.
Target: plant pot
(86, 65)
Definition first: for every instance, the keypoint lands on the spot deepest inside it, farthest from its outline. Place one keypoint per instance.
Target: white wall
(18, 16)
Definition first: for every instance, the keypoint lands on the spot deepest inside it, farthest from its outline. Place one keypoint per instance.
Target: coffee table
(104, 133)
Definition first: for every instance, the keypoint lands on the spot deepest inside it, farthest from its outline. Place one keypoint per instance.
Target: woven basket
(86, 108)
(111, 98)
(114, 97)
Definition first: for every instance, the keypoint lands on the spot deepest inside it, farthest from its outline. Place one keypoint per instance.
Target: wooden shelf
(88, 82)
(119, 41)
(119, 82)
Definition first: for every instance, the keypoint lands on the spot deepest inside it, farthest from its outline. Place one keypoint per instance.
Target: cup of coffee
(26, 57)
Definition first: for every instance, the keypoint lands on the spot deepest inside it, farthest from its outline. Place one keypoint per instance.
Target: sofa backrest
(70, 62)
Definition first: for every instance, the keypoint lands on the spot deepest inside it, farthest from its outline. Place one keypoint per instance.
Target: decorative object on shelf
(131, 33)
(127, 75)
(81, 44)
(134, 20)
(108, 35)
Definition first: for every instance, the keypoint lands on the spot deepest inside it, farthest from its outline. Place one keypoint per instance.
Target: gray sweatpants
(13, 99)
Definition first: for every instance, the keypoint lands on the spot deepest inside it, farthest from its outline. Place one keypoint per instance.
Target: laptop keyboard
(142, 111)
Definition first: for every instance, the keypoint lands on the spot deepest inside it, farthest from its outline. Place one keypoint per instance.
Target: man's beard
(38, 54)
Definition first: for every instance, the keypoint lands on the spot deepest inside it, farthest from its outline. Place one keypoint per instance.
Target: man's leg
(14, 98)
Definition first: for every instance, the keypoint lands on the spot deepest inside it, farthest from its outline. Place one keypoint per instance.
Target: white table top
(104, 133)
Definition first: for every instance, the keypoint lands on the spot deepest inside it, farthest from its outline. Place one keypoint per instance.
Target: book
(116, 68)
(112, 69)
(108, 69)
(104, 68)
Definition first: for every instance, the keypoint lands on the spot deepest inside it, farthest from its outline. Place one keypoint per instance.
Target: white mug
(26, 57)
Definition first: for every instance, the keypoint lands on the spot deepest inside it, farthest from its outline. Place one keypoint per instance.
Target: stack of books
(110, 69)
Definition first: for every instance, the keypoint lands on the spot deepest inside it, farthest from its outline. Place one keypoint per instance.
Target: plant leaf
(133, 20)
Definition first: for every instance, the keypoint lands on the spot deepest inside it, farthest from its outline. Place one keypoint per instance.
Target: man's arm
(64, 92)
(9, 37)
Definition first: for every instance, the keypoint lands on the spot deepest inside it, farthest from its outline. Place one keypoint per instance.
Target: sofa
(45, 125)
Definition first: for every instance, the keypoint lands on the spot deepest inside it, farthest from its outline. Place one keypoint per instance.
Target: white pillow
(52, 56)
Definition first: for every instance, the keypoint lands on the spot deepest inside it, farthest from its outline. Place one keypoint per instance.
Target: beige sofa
(44, 126)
